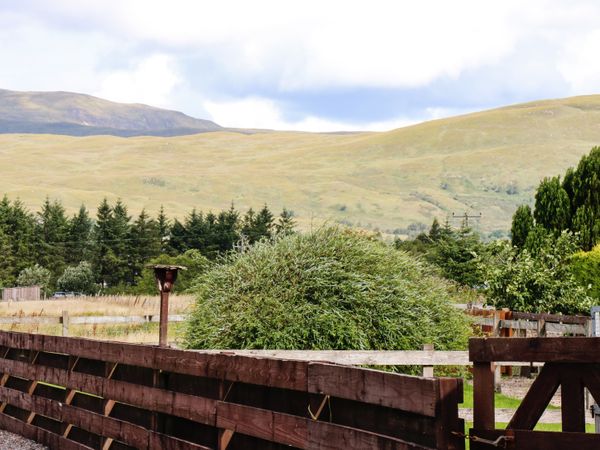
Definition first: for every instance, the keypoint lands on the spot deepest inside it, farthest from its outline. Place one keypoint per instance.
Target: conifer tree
(164, 229)
(285, 223)
(522, 224)
(144, 242)
(52, 231)
(79, 236)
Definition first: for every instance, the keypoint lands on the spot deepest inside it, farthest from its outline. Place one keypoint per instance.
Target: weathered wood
(572, 400)
(264, 424)
(182, 405)
(112, 392)
(65, 323)
(536, 400)
(53, 441)
(447, 420)
(326, 436)
(414, 394)
(483, 395)
(569, 349)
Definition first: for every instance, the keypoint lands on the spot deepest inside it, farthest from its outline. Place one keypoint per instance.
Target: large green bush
(539, 280)
(329, 289)
(586, 269)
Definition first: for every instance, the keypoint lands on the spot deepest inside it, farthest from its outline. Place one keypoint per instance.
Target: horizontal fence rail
(80, 393)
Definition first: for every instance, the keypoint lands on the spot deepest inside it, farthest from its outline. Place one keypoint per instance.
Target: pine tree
(79, 237)
(435, 232)
(285, 223)
(145, 244)
(264, 222)
(121, 244)
(178, 238)
(164, 229)
(52, 232)
(103, 235)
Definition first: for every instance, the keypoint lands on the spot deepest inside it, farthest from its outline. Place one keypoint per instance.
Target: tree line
(112, 248)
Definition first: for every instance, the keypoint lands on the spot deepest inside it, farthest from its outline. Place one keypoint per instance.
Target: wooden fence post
(65, 323)
(428, 370)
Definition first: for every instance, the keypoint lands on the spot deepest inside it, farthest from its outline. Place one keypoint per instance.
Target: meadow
(486, 162)
(98, 306)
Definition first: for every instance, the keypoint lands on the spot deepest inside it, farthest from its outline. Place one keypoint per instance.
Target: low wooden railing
(73, 393)
(571, 363)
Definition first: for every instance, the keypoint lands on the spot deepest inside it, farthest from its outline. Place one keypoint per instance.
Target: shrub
(329, 289)
(35, 276)
(78, 278)
(540, 282)
(585, 266)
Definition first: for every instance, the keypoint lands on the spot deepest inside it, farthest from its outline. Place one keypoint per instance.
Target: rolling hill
(397, 181)
(83, 115)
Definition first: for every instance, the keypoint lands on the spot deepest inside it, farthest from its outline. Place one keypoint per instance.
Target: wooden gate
(73, 393)
(570, 363)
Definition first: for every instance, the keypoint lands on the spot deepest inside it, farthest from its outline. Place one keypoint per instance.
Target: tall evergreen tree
(285, 223)
(164, 229)
(79, 237)
(52, 232)
(104, 256)
(552, 205)
(522, 224)
(145, 244)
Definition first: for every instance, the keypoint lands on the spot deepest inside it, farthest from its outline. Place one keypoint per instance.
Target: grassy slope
(384, 180)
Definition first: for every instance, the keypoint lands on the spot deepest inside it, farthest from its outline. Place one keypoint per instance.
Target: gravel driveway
(10, 441)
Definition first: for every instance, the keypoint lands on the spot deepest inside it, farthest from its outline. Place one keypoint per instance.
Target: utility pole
(465, 218)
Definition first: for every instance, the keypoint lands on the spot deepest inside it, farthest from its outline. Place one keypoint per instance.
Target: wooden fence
(73, 393)
(21, 293)
(571, 363)
(518, 324)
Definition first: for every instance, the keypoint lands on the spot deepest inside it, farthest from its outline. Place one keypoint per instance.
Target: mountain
(83, 115)
(397, 181)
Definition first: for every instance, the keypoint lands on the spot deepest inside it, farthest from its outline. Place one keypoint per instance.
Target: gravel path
(10, 441)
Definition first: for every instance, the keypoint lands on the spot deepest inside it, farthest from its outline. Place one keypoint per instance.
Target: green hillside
(485, 162)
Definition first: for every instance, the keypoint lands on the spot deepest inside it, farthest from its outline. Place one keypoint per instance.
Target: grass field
(98, 306)
(484, 162)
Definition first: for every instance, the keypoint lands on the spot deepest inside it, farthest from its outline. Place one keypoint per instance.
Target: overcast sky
(309, 65)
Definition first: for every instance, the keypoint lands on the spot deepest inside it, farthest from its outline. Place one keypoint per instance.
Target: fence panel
(80, 393)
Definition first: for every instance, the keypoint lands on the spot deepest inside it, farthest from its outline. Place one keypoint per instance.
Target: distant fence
(21, 293)
(518, 324)
(71, 393)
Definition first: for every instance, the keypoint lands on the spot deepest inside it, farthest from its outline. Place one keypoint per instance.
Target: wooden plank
(407, 393)
(572, 400)
(328, 436)
(483, 395)
(536, 400)
(53, 441)
(264, 424)
(360, 357)
(120, 430)
(568, 349)
(447, 420)
(557, 318)
(536, 440)
(190, 407)
(262, 371)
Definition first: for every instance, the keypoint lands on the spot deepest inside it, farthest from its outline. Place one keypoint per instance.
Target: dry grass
(98, 306)
(95, 306)
(384, 180)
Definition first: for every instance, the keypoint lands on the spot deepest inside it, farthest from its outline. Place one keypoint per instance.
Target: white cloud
(151, 81)
(315, 44)
(580, 65)
(256, 112)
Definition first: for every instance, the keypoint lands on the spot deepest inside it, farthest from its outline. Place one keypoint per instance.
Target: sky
(308, 65)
